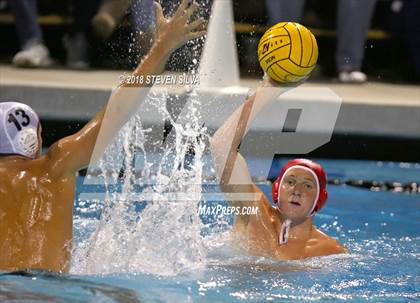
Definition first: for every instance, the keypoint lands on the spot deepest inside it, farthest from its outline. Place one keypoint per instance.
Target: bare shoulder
(60, 157)
(264, 210)
(321, 244)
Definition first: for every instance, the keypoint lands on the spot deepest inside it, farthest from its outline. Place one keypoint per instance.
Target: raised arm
(230, 165)
(75, 152)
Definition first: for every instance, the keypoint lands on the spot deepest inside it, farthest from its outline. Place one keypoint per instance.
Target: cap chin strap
(285, 227)
(284, 232)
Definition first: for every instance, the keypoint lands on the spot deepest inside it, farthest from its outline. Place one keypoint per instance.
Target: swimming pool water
(381, 230)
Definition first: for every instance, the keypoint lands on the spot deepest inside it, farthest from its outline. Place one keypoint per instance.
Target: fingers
(178, 29)
(195, 35)
(159, 12)
(198, 24)
(181, 9)
(190, 10)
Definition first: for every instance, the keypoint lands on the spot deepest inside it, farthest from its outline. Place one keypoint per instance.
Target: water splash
(164, 237)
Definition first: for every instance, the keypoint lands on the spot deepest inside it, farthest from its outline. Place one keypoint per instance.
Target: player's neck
(300, 230)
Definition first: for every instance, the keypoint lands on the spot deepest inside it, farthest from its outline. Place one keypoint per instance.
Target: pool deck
(372, 109)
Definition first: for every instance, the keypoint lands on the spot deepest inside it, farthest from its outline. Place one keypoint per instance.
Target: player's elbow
(337, 248)
(342, 250)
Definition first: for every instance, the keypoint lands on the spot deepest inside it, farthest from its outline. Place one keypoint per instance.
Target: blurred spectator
(33, 51)
(411, 11)
(76, 42)
(142, 12)
(110, 13)
(353, 22)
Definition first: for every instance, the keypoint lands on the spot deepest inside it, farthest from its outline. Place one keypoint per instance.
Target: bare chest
(264, 239)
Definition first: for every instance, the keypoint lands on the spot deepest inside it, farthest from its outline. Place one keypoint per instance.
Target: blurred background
(77, 49)
(105, 34)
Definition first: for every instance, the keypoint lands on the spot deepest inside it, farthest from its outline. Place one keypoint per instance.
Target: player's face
(297, 193)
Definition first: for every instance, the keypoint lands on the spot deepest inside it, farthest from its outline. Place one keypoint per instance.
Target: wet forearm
(227, 138)
(126, 98)
(152, 64)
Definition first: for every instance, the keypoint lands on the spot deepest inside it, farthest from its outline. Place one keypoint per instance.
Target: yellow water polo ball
(288, 52)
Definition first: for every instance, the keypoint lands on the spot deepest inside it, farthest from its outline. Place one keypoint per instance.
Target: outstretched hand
(175, 31)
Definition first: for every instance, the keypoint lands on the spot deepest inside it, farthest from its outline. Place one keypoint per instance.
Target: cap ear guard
(26, 142)
(275, 190)
(322, 199)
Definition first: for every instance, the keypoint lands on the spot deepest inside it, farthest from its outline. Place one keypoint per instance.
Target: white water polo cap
(18, 129)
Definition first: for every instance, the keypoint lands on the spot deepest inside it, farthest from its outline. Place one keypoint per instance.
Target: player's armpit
(239, 189)
(253, 207)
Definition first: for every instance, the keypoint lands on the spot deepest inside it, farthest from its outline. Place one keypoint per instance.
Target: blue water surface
(380, 229)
